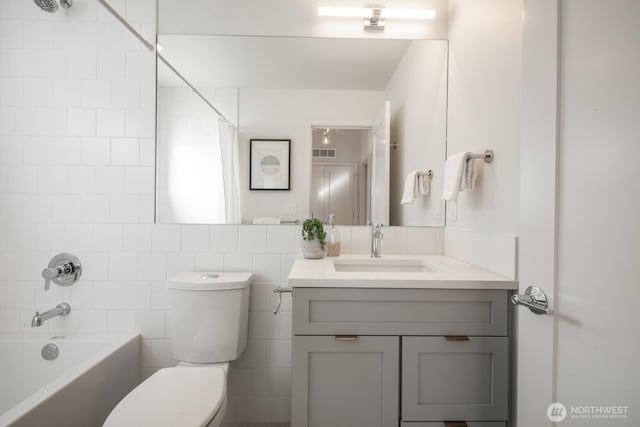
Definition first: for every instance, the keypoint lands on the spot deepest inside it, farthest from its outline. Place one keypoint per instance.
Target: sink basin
(380, 265)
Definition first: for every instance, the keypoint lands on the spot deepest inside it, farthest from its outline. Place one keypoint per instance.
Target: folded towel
(266, 220)
(416, 184)
(469, 173)
(459, 175)
(424, 184)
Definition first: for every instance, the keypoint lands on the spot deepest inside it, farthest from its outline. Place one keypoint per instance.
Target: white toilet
(209, 315)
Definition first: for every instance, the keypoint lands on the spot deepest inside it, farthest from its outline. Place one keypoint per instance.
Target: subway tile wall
(77, 108)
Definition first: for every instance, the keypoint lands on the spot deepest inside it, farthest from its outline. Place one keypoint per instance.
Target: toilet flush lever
(279, 290)
(64, 269)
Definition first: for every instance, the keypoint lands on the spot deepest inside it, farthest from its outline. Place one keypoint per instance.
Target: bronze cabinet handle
(455, 424)
(456, 338)
(346, 337)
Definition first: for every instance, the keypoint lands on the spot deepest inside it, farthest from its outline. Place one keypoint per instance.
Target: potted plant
(313, 238)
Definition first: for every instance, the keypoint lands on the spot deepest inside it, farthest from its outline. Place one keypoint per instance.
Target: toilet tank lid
(209, 280)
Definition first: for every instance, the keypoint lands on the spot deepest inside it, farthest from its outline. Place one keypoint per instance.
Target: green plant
(312, 229)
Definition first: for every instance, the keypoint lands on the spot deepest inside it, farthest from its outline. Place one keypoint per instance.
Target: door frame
(313, 127)
(536, 338)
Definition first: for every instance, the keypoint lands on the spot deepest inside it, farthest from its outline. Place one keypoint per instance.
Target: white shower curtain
(230, 170)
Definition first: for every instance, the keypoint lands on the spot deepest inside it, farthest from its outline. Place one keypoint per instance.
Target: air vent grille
(324, 153)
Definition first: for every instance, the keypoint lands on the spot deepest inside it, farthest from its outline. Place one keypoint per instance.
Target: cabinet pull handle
(346, 337)
(455, 424)
(456, 338)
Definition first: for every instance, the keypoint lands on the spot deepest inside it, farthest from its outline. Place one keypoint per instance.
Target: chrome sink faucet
(376, 240)
(60, 310)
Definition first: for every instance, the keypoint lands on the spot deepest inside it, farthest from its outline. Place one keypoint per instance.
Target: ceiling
(280, 62)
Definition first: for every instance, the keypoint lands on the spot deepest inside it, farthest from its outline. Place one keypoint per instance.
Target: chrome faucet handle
(376, 237)
(49, 274)
(64, 269)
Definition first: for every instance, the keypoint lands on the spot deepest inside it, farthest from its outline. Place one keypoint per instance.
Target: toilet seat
(182, 396)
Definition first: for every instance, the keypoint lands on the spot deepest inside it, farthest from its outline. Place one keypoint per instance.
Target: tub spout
(60, 310)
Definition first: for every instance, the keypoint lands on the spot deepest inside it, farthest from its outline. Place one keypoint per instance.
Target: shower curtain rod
(152, 48)
(196, 91)
(124, 22)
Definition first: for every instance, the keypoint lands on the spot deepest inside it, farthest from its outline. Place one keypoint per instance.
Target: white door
(580, 231)
(381, 161)
(333, 191)
(318, 195)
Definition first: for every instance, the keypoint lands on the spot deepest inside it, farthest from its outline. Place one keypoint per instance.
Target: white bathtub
(79, 388)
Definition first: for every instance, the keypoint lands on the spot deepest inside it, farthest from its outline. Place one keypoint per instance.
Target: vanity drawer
(348, 311)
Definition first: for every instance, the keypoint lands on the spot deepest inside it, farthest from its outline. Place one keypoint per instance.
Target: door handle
(534, 298)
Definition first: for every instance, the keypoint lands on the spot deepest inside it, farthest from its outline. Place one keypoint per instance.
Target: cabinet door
(345, 381)
(454, 380)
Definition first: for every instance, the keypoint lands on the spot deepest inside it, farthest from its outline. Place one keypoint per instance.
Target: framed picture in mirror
(270, 164)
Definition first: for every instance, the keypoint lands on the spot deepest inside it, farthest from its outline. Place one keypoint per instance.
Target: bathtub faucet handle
(64, 269)
(51, 273)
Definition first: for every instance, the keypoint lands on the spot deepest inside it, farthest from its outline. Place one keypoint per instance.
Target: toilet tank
(209, 315)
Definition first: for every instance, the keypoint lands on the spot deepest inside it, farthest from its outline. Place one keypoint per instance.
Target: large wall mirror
(361, 111)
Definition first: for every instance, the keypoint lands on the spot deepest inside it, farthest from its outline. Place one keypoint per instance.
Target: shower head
(51, 6)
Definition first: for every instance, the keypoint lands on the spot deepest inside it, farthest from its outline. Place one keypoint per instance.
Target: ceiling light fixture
(375, 22)
(325, 137)
(369, 12)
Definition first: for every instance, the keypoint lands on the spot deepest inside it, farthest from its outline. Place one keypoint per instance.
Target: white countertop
(443, 273)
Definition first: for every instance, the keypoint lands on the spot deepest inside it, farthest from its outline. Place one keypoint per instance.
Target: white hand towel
(468, 174)
(459, 175)
(266, 220)
(409, 193)
(416, 184)
(423, 184)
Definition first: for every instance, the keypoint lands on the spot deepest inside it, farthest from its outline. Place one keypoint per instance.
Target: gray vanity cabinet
(400, 357)
(346, 381)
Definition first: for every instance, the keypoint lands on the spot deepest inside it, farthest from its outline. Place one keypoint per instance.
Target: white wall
(598, 270)
(418, 94)
(484, 107)
(290, 114)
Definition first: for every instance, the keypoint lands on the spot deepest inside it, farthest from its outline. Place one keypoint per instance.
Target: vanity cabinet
(400, 357)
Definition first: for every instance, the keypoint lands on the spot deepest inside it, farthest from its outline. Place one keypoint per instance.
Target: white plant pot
(311, 249)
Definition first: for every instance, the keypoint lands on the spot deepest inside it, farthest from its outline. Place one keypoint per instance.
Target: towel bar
(428, 173)
(487, 156)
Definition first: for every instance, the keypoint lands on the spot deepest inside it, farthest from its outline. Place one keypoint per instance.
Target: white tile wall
(492, 252)
(77, 174)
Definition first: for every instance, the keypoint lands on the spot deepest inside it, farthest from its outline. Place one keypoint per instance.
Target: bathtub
(78, 388)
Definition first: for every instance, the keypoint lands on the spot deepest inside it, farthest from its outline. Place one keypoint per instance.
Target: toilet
(210, 316)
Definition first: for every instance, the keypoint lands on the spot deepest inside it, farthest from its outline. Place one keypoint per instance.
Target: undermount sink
(380, 265)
